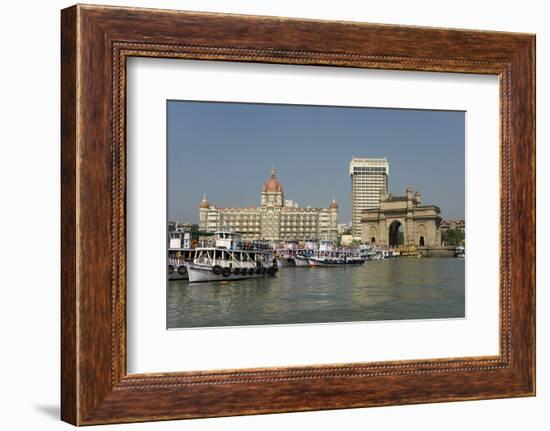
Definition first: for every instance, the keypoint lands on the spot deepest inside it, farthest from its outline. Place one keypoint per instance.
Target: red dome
(204, 203)
(272, 184)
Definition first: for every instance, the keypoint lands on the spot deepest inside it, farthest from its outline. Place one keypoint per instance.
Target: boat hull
(301, 261)
(177, 270)
(203, 273)
(285, 262)
(323, 263)
(176, 276)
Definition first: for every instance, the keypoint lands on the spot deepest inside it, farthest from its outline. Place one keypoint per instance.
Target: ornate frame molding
(96, 41)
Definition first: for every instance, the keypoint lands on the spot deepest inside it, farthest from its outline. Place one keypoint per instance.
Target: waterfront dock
(442, 251)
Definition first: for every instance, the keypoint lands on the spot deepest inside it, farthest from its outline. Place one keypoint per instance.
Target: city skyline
(226, 150)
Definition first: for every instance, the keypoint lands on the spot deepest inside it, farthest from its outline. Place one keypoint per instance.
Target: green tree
(454, 237)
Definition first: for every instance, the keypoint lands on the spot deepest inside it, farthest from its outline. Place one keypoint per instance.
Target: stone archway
(421, 241)
(396, 234)
(401, 220)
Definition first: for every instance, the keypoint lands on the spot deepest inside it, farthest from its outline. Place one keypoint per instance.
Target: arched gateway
(402, 220)
(396, 234)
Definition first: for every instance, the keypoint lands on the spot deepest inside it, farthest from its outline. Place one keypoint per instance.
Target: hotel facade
(368, 178)
(275, 219)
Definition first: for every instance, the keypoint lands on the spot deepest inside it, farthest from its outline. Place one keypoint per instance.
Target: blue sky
(227, 149)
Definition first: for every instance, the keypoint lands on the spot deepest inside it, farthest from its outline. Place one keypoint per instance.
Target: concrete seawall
(437, 251)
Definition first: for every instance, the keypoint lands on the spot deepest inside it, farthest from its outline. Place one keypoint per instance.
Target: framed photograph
(263, 214)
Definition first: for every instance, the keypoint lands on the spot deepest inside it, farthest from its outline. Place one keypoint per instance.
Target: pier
(441, 251)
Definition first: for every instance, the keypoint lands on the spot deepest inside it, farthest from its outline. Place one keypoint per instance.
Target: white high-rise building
(368, 177)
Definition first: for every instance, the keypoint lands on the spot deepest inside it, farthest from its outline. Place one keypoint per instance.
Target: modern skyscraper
(368, 177)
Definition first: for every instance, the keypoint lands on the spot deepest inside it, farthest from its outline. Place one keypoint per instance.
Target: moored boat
(409, 251)
(231, 259)
(286, 255)
(285, 260)
(302, 257)
(303, 254)
(181, 251)
(177, 269)
(335, 258)
(178, 255)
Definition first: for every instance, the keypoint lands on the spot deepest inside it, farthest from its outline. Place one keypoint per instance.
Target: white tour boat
(336, 258)
(230, 258)
(286, 255)
(369, 252)
(177, 269)
(328, 255)
(302, 256)
(178, 255)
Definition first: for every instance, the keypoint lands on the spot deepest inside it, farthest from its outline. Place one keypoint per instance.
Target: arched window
(421, 241)
(373, 233)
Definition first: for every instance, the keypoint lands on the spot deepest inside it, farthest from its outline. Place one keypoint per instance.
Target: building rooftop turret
(204, 203)
(272, 184)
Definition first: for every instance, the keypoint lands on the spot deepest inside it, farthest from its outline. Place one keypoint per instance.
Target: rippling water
(390, 289)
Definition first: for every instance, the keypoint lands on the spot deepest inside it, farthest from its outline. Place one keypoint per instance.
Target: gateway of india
(402, 220)
(379, 217)
(275, 219)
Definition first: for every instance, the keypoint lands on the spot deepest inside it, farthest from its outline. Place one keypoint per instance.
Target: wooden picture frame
(95, 43)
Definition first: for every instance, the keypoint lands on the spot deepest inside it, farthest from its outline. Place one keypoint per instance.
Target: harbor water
(390, 289)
